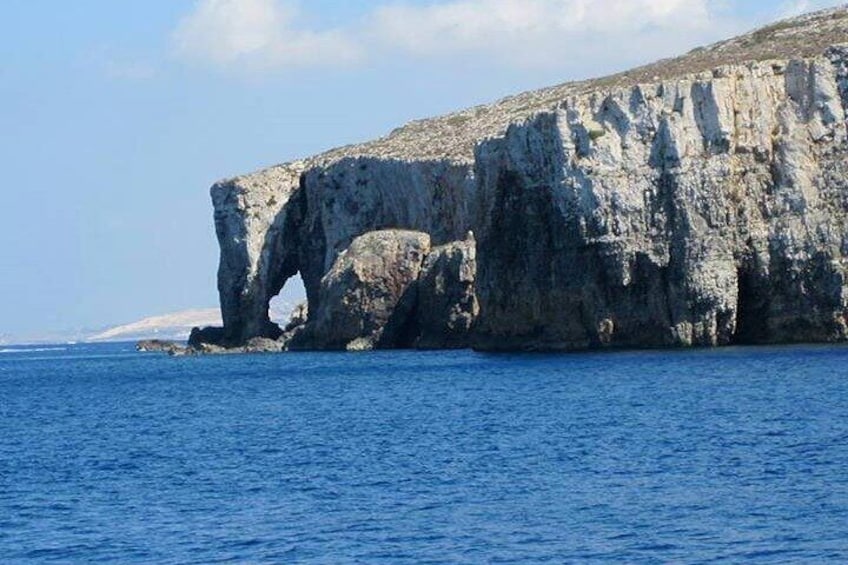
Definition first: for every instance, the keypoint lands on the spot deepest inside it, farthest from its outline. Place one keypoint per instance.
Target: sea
(685, 456)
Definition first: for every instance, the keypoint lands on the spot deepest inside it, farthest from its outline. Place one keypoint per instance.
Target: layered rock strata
(698, 201)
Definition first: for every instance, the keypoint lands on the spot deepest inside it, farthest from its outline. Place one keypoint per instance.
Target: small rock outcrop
(160, 346)
(206, 336)
(698, 201)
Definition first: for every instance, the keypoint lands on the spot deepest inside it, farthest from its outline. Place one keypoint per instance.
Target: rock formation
(367, 298)
(447, 302)
(160, 346)
(389, 289)
(697, 201)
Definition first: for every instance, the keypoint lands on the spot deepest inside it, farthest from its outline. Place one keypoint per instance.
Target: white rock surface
(697, 201)
(699, 211)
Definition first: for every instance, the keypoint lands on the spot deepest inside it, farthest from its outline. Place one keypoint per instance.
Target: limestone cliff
(697, 201)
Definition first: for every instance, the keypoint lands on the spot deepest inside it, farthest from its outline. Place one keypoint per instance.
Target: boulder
(206, 336)
(367, 298)
(264, 345)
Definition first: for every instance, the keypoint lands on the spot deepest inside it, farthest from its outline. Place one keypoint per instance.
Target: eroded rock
(161, 346)
(367, 297)
(447, 305)
(257, 222)
(208, 336)
(691, 212)
(697, 201)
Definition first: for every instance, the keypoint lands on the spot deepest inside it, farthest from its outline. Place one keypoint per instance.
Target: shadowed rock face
(357, 196)
(447, 302)
(680, 204)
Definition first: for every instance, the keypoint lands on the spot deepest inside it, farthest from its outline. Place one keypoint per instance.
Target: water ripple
(453, 457)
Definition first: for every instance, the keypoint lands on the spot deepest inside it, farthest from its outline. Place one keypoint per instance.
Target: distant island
(697, 201)
(174, 326)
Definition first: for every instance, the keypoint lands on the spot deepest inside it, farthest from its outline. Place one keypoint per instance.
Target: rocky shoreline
(700, 201)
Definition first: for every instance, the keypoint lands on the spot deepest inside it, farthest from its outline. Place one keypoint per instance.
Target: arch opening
(291, 295)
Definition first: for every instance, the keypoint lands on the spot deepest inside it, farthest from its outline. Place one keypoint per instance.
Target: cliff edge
(700, 200)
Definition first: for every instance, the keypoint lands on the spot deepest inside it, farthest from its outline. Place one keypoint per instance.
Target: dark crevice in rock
(752, 307)
(401, 331)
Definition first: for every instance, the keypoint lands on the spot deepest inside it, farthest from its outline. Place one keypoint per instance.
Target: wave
(32, 349)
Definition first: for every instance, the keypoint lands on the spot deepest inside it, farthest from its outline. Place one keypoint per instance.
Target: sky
(116, 117)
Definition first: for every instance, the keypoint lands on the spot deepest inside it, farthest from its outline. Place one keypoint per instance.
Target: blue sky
(117, 116)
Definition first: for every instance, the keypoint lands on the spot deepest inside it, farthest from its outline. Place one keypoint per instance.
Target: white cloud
(542, 32)
(482, 24)
(797, 7)
(258, 33)
(558, 34)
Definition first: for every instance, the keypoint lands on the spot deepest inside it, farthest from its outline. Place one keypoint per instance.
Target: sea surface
(737, 455)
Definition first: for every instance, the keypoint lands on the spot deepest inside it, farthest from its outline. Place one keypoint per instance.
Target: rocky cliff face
(699, 211)
(698, 201)
(289, 219)
(257, 220)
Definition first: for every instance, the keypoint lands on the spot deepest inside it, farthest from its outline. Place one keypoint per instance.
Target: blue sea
(736, 455)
